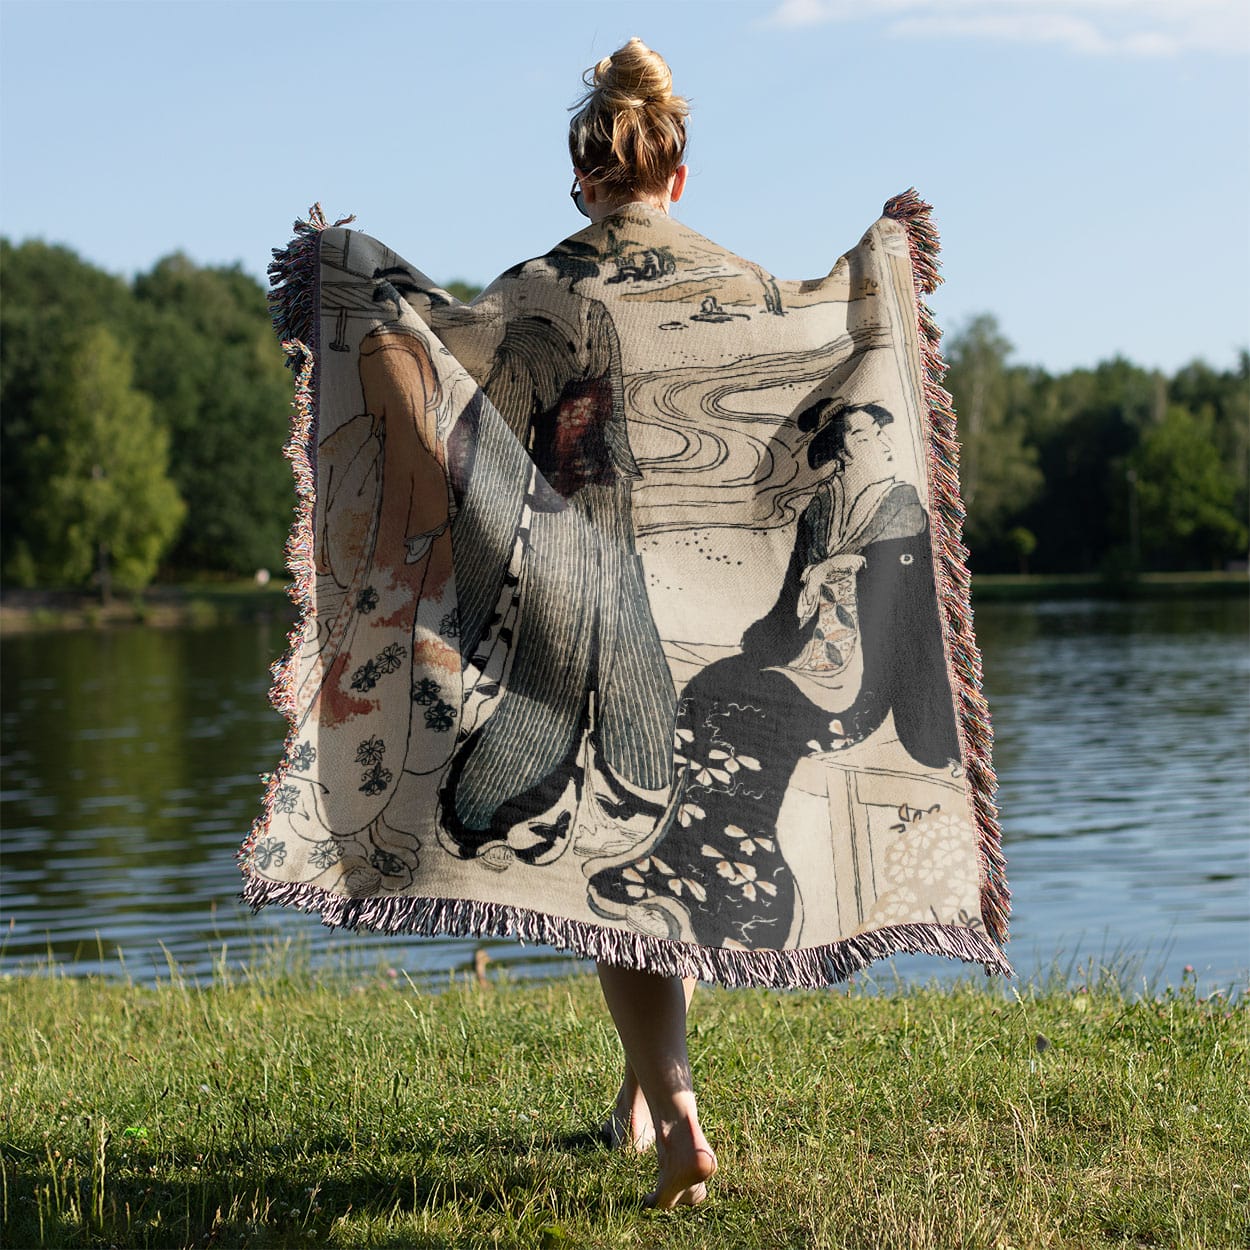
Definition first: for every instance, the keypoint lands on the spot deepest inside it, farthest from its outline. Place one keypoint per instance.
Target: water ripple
(131, 773)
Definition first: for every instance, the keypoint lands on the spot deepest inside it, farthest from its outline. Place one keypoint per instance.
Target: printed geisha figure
(856, 579)
(861, 571)
(383, 569)
(845, 513)
(566, 686)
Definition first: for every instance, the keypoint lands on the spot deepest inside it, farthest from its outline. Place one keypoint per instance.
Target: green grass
(1031, 587)
(297, 1110)
(198, 603)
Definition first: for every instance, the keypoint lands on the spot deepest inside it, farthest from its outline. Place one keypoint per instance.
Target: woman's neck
(857, 478)
(601, 208)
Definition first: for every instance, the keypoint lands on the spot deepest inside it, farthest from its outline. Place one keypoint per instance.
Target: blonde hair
(629, 132)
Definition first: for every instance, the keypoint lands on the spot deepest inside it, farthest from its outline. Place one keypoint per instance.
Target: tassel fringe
(809, 968)
(294, 300)
(954, 582)
(294, 280)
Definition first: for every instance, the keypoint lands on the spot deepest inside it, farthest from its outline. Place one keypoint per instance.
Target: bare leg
(650, 1015)
(629, 1124)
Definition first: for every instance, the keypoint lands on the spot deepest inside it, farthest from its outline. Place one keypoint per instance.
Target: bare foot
(686, 1165)
(629, 1125)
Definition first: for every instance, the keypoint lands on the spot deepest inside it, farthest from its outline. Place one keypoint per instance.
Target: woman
(621, 626)
(628, 143)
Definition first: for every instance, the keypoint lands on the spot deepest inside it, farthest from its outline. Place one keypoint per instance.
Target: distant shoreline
(176, 605)
(194, 604)
(1006, 587)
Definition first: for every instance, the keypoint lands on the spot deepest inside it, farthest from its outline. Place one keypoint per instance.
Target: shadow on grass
(263, 1198)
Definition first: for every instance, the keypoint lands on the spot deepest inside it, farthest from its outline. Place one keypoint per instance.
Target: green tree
(462, 290)
(1221, 397)
(51, 297)
(207, 355)
(997, 467)
(105, 504)
(1024, 543)
(1186, 495)
(1086, 423)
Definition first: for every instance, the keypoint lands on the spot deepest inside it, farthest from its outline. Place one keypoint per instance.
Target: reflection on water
(131, 762)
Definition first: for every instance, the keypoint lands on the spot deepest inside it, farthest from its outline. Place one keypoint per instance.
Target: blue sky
(1089, 160)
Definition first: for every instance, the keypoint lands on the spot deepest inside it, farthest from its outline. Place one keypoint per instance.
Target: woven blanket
(634, 617)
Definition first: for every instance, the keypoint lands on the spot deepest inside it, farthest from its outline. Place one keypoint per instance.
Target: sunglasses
(576, 196)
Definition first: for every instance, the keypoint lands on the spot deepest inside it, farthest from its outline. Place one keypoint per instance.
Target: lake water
(130, 762)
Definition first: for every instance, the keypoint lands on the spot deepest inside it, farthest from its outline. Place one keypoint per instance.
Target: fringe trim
(810, 968)
(954, 581)
(294, 280)
(294, 304)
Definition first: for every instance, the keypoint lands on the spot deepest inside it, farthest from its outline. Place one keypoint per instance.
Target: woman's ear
(587, 185)
(678, 185)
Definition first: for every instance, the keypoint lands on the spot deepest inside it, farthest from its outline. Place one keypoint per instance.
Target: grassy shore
(1028, 587)
(293, 1110)
(192, 603)
(221, 602)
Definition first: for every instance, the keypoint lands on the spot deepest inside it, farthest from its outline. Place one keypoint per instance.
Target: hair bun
(633, 76)
(630, 129)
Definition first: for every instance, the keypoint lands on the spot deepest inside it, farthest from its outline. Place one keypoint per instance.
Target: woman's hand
(816, 575)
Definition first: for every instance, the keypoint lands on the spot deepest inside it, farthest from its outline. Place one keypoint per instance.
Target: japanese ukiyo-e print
(635, 619)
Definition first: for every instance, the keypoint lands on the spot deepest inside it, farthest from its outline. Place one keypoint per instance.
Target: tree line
(143, 420)
(1113, 470)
